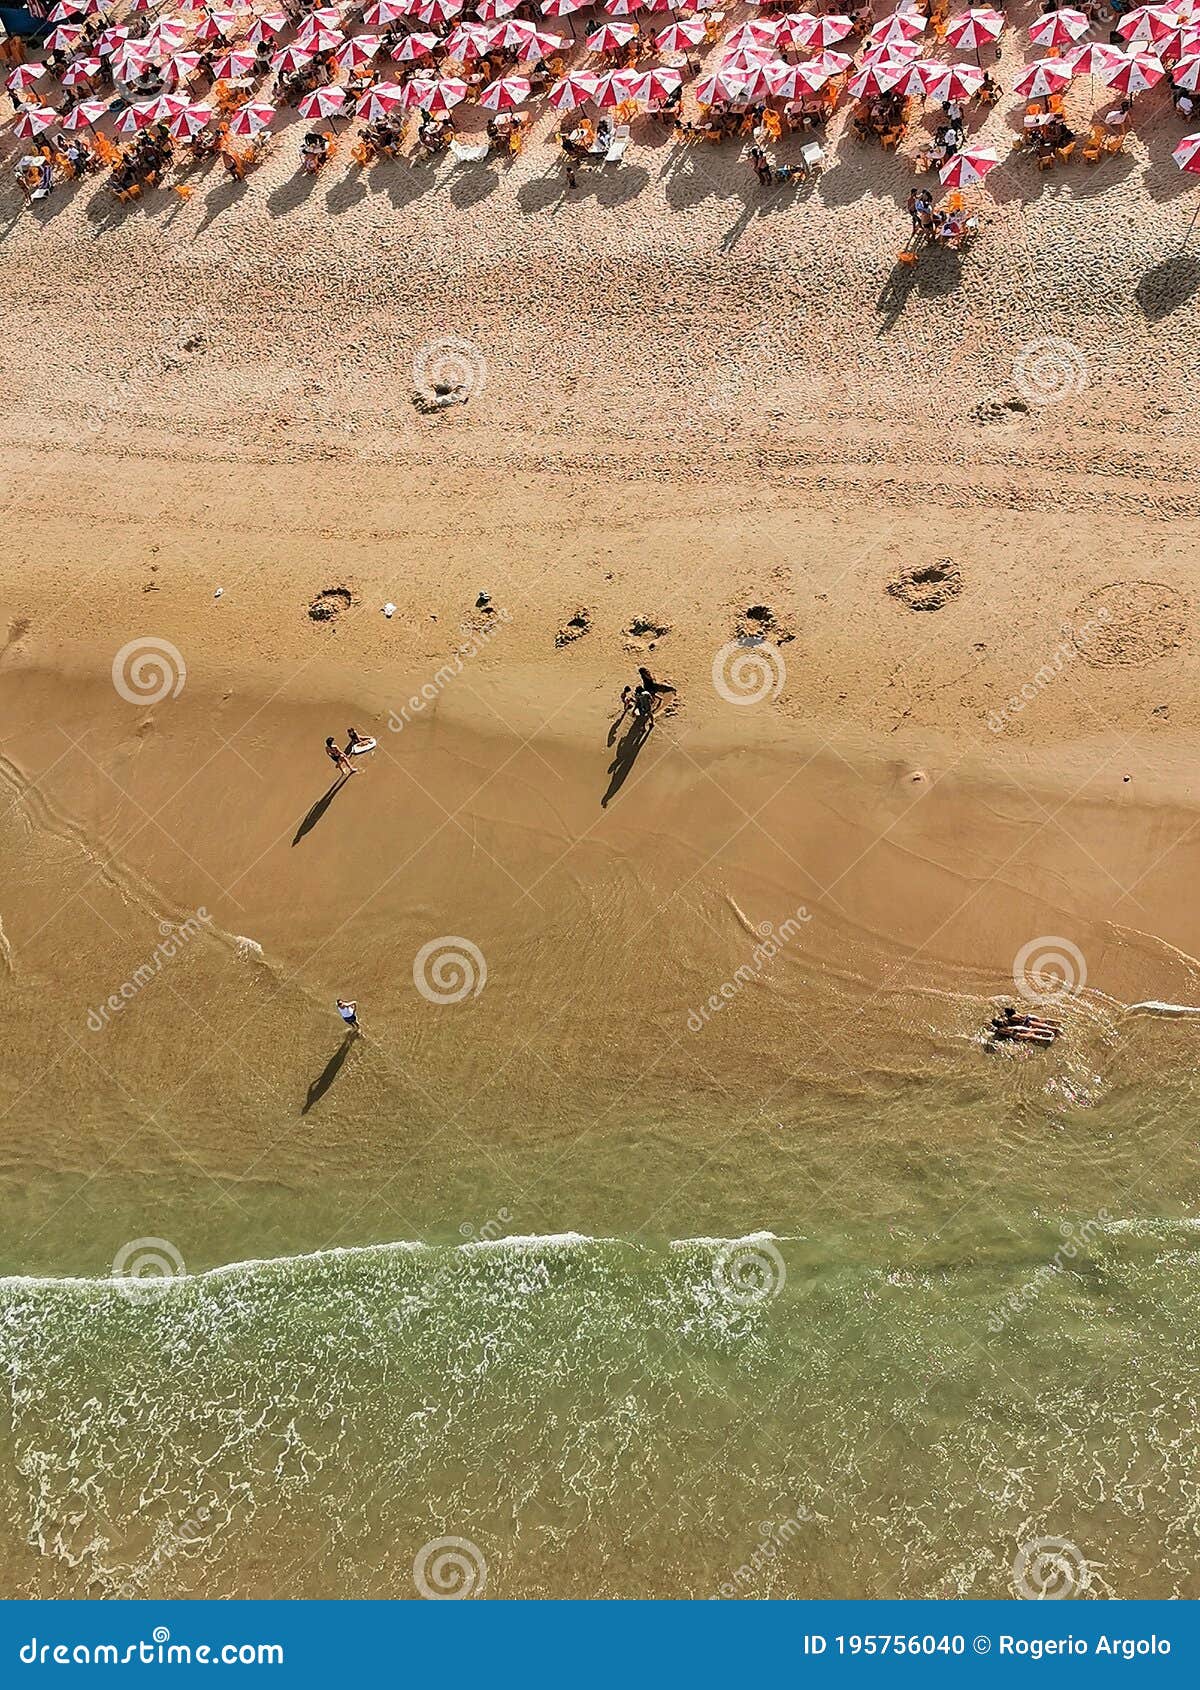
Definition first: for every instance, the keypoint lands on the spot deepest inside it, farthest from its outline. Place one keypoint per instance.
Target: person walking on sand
(338, 757)
(656, 689)
(349, 1014)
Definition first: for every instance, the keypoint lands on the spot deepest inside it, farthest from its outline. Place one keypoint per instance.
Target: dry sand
(690, 397)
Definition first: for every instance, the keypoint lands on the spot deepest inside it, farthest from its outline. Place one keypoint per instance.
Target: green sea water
(942, 1323)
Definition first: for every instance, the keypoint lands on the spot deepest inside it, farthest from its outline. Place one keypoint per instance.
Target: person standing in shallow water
(349, 1014)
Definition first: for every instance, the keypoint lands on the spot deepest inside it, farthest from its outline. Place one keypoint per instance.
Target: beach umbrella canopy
(238, 62)
(291, 58)
(679, 36)
(1137, 72)
(746, 59)
(562, 8)
(82, 70)
(539, 44)
(65, 37)
(188, 123)
(975, 28)
(181, 67)
(215, 26)
(1042, 77)
(1148, 23)
(384, 11)
(721, 85)
(33, 120)
(491, 10)
(324, 102)
(110, 39)
(361, 49)
(653, 87)
(418, 44)
(833, 64)
(1093, 58)
(137, 116)
(793, 82)
(573, 89)
(1187, 73)
(381, 101)
(505, 94)
(25, 76)
(267, 25)
(438, 96)
(319, 38)
(802, 29)
(951, 82)
(1187, 154)
(468, 41)
(900, 26)
(967, 167)
(438, 11)
(1058, 29)
(900, 52)
(252, 119)
(875, 79)
(610, 37)
(758, 32)
(86, 112)
(167, 35)
(915, 76)
(621, 8)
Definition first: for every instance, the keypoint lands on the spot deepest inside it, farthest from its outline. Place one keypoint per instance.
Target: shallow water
(982, 1335)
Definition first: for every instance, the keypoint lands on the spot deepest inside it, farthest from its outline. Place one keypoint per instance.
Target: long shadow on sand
(319, 808)
(627, 755)
(329, 1073)
(937, 272)
(1168, 286)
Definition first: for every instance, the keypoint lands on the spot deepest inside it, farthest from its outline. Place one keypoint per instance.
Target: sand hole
(574, 629)
(329, 604)
(928, 586)
(1128, 624)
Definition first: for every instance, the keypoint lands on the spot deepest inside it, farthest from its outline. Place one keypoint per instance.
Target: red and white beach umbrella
(916, 75)
(795, 82)
(1059, 28)
(419, 44)
(238, 62)
(758, 32)
(612, 89)
(130, 59)
(188, 123)
(1138, 72)
(510, 34)
(329, 101)
(25, 76)
(468, 41)
(252, 119)
(438, 11)
(1148, 23)
(381, 101)
(319, 38)
(900, 26)
(359, 51)
(746, 59)
(875, 79)
(967, 167)
(82, 71)
(1187, 154)
(181, 67)
(215, 26)
(833, 64)
(290, 59)
(620, 8)
(611, 37)
(438, 96)
(384, 11)
(562, 8)
(1094, 58)
(976, 28)
(721, 85)
(802, 29)
(267, 25)
(110, 39)
(679, 36)
(135, 117)
(324, 17)
(901, 52)
(491, 10)
(952, 82)
(573, 90)
(167, 35)
(1042, 77)
(33, 120)
(1187, 73)
(654, 87)
(505, 94)
(539, 44)
(66, 37)
(87, 112)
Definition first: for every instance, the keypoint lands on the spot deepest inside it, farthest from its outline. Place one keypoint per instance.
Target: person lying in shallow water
(1027, 1029)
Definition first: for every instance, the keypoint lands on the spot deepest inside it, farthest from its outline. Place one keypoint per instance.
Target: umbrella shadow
(319, 808)
(1168, 286)
(329, 1073)
(628, 751)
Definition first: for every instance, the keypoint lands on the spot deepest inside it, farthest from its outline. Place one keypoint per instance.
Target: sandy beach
(943, 520)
